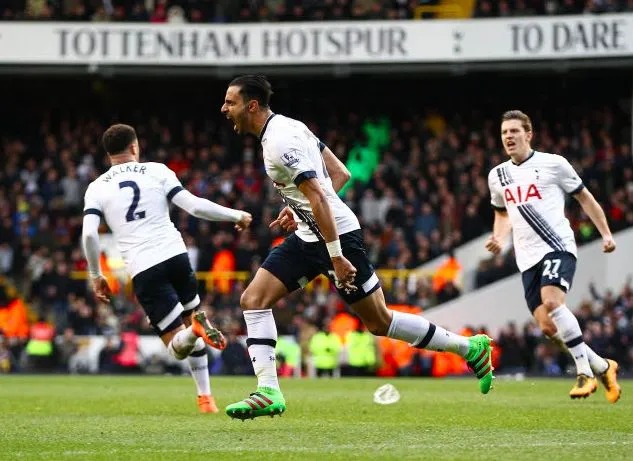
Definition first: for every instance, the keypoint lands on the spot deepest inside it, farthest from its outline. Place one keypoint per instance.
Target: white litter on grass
(386, 395)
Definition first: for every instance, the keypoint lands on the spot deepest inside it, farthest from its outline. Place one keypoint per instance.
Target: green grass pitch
(155, 418)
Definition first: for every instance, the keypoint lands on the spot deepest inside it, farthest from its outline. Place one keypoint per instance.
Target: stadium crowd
(508, 8)
(326, 340)
(221, 11)
(206, 11)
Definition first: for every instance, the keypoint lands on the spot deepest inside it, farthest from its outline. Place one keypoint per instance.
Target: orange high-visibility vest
(224, 261)
(342, 324)
(14, 320)
(445, 273)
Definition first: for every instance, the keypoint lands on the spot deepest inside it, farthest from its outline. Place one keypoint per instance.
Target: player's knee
(251, 300)
(377, 327)
(551, 304)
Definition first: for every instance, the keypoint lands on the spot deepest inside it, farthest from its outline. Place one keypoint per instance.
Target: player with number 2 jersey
(134, 199)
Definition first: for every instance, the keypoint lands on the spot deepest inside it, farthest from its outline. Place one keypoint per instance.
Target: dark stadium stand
(204, 11)
(508, 8)
(199, 11)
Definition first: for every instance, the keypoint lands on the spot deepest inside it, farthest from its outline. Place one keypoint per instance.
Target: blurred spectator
(361, 352)
(6, 258)
(325, 347)
(39, 349)
(14, 324)
(235, 359)
(495, 268)
(512, 350)
(108, 355)
(6, 358)
(67, 346)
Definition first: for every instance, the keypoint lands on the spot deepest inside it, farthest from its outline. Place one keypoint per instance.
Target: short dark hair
(118, 138)
(254, 87)
(526, 123)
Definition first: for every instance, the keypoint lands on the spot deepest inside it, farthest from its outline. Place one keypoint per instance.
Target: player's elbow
(317, 199)
(345, 175)
(584, 197)
(90, 236)
(339, 179)
(194, 207)
(90, 240)
(194, 211)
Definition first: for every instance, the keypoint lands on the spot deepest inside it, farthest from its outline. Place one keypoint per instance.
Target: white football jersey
(292, 153)
(134, 200)
(533, 193)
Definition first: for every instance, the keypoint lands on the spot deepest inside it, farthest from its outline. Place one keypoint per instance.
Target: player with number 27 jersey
(528, 194)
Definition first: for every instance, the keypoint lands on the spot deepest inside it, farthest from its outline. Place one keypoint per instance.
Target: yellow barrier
(387, 277)
(449, 11)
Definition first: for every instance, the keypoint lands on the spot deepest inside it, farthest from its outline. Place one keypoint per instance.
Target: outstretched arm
(206, 209)
(593, 209)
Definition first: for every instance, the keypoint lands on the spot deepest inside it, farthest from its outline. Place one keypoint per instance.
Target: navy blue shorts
(166, 291)
(556, 268)
(296, 263)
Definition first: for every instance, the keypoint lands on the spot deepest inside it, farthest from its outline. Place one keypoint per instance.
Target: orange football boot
(584, 387)
(202, 328)
(609, 378)
(206, 404)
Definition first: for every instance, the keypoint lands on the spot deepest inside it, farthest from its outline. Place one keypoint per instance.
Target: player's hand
(493, 245)
(243, 223)
(345, 273)
(102, 289)
(608, 244)
(286, 220)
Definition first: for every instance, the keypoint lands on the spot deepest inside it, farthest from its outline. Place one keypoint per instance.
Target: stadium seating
(201, 11)
(198, 11)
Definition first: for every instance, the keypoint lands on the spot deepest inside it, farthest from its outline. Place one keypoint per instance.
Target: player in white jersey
(327, 240)
(528, 194)
(134, 200)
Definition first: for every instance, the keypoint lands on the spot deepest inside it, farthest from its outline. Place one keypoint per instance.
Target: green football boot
(266, 401)
(479, 360)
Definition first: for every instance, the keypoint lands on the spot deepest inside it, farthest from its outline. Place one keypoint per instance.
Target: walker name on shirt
(116, 170)
(520, 194)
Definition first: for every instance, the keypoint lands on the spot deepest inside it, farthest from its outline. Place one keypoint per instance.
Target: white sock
(569, 331)
(261, 342)
(419, 332)
(199, 366)
(182, 344)
(598, 364)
